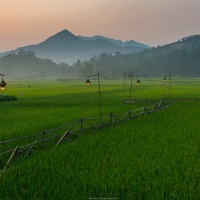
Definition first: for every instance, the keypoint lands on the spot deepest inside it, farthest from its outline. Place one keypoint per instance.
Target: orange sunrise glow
(151, 22)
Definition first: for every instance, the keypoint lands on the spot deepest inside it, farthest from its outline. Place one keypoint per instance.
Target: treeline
(25, 65)
(149, 63)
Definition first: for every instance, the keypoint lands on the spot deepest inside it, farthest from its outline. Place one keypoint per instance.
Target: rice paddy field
(156, 156)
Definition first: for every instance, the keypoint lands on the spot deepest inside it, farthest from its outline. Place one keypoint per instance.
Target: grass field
(152, 157)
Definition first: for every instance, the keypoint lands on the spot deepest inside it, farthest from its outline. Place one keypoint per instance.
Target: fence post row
(15, 152)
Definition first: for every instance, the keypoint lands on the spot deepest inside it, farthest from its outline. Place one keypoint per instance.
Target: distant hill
(66, 47)
(181, 58)
(188, 43)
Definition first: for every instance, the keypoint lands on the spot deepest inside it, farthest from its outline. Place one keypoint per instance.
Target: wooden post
(81, 125)
(43, 138)
(143, 111)
(129, 113)
(16, 154)
(111, 118)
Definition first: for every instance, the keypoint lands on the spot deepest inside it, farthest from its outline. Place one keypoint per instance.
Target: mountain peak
(64, 33)
(61, 38)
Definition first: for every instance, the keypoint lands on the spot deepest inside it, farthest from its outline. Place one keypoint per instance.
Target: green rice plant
(152, 157)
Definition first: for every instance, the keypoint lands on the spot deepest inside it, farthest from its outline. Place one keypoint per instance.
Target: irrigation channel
(17, 149)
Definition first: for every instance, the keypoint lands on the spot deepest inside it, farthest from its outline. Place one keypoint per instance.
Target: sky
(152, 22)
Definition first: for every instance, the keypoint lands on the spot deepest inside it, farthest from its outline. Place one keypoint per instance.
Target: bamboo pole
(62, 138)
(13, 153)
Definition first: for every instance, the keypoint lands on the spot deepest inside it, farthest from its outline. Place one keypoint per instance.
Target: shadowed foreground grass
(153, 157)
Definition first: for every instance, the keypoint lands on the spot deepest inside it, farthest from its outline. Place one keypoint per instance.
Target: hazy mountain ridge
(66, 47)
(130, 43)
(181, 58)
